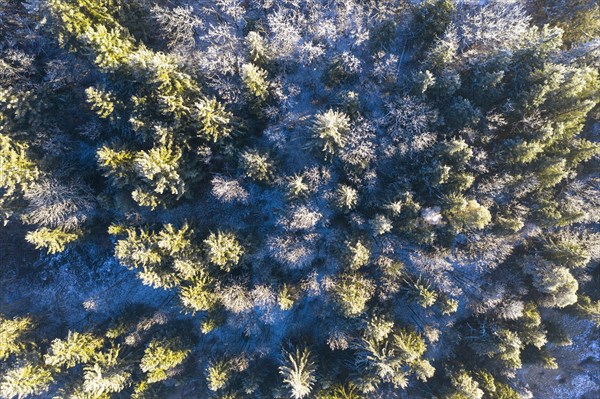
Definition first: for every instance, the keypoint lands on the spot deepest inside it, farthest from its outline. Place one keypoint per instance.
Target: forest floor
(578, 372)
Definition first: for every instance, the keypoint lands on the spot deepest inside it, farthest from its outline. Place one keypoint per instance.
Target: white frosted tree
(298, 371)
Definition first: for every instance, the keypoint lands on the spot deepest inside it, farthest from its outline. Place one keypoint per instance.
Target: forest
(299, 199)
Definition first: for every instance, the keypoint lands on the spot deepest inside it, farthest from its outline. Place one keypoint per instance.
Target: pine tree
(433, 17)
(257, 166)
(297, 187)
(348, 391)
(557, 284)
(258, 50)
(508, 348)
(420, 291)
(379, 328)
(117, 164)
(578, 18)
(75, 349)
(101, 101)
(448, 305)
(392, 358)
(552, 173)
(467, 215)
(287, 296)
(218, 374)
(378, 357)
(523, 152)
(17, 172)
(255, 81)
(409, 345)
(13, 335)
(503, 391)
(106, 374)
(565, 251)
(589, 309)
(352, 292)
(26, 380)
(381, 224)
(358, 255)
(298, 371)
(443, 52)
(346, 197)
(174, 241)
(159, 170)
(466, 387)
(161, 357)
(163, 258)
(199, 295)
(53, 240)
(329, 132)
(111, 46)
(223, 249)
(213, 120)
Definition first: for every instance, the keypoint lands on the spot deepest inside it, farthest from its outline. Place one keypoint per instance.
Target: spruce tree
(298, 372)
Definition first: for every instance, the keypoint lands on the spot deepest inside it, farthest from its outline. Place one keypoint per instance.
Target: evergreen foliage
(24, 381)
(329, 131)
(409, 188)
(53, 240)
(75, 349)
(298, 371)
(160, 357)
(13, 335)
(223, 249)
(17, 172)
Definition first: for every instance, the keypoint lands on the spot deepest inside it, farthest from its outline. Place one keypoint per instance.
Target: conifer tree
(358, 255)
(297, 187)
(468, 214)
(258, 50)
(556, 283)
(163, 258)
(13, 335)
(352, 292)
(161, 357)
(218, 374)
(392, 357)
(106, 374)
(75, 349)
(348, 391)
(117, 164)
(26, 380)
(329, 132)
(214, 121)
(101, 101)
(199, 294)
(346, 197)
(223, 249)
(567, 252)
(53, 240)
(298, 371)
(589, 308)
(255, 81)
(287, 296)
(17, 172)
(380, 224)
(159, 172)
(257, 166)
(466, 387)
(420, 291)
